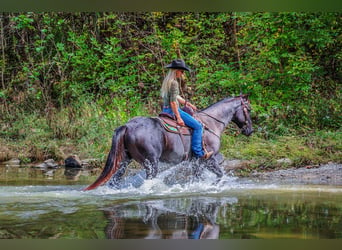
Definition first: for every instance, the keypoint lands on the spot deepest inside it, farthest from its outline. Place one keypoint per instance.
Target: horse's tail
(114, 158)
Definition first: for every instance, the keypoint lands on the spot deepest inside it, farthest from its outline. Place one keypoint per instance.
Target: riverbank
(326, 174)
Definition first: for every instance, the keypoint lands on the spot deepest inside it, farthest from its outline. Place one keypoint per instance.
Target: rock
(12, 163)
(91, 163)
(234, 164)
(50, 163)
(73, 162)
(41, 165)
(285, 161)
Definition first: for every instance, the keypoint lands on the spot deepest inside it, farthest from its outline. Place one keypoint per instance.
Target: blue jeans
(196, 139)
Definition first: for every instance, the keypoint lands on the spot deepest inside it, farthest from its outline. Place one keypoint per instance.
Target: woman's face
(179, 73)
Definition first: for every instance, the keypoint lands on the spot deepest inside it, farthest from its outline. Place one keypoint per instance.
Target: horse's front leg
(213, 165)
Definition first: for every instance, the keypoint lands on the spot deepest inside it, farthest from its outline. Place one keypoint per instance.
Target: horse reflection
(165, 219)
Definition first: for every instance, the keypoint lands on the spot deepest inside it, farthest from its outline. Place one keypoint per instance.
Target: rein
(244, 106)
(209, 129)
(212, 117)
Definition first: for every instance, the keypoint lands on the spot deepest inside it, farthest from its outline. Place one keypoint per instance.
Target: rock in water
(12, 163)
(50, 163)
(72, 162)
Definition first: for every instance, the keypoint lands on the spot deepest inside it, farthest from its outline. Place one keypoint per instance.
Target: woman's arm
(182, 101)
(174, 107)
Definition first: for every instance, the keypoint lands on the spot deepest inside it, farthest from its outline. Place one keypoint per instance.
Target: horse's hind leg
(116, 178)
(151, 167)
(197, 169)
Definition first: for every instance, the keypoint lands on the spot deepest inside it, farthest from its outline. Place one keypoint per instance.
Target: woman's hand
(180, 121)
(191, 106)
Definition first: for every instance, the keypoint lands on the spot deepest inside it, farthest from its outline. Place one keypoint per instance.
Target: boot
(207, 155)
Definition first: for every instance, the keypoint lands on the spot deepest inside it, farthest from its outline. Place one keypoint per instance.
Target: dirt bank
(327, 174)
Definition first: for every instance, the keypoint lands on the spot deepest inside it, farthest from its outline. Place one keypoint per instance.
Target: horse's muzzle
(247, 131)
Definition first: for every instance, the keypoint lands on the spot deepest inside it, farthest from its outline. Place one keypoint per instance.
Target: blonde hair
(169, 78)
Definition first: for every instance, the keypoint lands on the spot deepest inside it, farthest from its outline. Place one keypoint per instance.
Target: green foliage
(282, 60)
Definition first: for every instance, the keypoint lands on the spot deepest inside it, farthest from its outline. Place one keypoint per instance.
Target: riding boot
(207, 155)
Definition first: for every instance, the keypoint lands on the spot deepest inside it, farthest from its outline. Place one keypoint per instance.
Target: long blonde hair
(169, 78)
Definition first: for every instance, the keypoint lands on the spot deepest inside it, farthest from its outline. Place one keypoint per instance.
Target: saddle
(170, 124)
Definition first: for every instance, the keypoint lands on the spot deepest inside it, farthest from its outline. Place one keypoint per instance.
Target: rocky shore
(327, 174)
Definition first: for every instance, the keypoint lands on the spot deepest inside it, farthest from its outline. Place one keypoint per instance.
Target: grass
(34, 137)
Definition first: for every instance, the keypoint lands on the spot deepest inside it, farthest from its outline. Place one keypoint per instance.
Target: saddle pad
(171, 125)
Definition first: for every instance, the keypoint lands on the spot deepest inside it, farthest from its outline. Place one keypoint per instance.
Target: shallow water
(46, 204)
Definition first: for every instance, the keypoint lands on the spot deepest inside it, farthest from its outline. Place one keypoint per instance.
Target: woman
(171, 100)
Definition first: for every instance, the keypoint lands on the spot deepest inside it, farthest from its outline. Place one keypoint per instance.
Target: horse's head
(242, 116)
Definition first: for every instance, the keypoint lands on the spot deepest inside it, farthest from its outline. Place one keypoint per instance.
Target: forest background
(69, 79)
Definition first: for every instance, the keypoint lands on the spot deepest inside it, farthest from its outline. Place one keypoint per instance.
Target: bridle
(245, 107)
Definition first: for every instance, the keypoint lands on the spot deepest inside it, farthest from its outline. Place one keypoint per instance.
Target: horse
(145, 140)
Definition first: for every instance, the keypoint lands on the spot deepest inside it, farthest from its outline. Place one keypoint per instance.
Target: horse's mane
(227, 99)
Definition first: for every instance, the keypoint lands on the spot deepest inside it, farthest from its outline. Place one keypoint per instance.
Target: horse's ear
(245, 96)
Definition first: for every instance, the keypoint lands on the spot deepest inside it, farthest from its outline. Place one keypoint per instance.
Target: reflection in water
(282, 216)
(189, 218)
(72, 173)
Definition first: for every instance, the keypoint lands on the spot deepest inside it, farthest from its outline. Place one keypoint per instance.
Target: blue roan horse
(145, 140)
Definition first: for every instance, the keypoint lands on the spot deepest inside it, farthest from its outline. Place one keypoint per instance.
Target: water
(50, 204)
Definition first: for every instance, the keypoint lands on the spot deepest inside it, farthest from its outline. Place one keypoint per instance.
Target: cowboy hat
(178, 64)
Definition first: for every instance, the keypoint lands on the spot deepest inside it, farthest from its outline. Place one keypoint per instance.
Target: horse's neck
(219, 115)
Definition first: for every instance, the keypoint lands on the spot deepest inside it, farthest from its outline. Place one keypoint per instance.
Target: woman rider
(171, 100)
